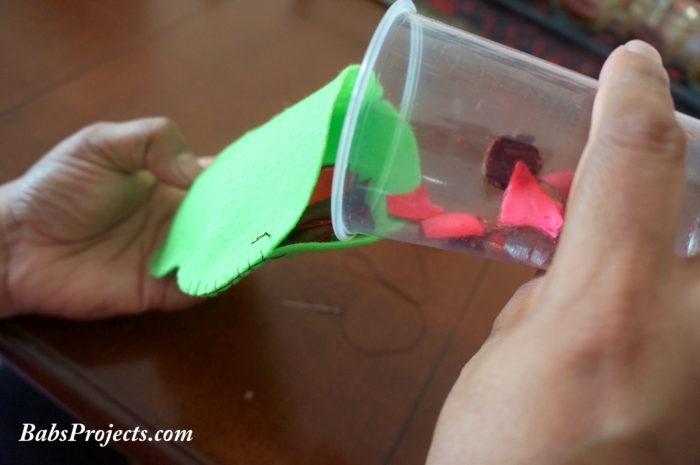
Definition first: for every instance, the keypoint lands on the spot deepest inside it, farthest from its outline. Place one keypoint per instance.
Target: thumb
(625, 202)
(154, 144)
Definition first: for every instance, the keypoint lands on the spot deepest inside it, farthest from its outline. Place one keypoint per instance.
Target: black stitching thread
(260, 237)
(251, 266)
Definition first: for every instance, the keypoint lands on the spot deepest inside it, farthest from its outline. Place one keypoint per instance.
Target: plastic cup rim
(349, 123)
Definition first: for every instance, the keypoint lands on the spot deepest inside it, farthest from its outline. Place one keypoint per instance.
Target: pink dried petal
(452, 225)
(525, 203)
(560, 181)
(414, 205)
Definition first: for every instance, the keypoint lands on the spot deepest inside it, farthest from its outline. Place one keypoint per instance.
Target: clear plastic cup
(436, 122)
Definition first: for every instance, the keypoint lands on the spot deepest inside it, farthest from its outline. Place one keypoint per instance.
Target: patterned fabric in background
(534, 27)
(497, 23)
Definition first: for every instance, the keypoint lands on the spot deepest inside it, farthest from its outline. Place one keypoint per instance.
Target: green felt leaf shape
(388, 157)
(241, 207)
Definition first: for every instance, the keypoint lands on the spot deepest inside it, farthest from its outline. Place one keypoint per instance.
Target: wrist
(5, 301)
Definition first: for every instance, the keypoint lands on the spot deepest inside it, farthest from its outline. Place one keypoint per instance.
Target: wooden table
(259, 374)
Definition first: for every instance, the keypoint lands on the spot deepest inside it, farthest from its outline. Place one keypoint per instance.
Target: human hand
(597, 362)
(81, 224)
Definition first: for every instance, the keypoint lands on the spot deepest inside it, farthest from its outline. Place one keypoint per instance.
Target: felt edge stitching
(194, 287)
(218, 288)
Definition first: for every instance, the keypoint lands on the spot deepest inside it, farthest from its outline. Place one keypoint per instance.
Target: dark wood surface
(259, 374)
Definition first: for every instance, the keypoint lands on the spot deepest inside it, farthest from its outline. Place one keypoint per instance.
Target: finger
(175, 299)
(165, 295)
(627, 192)
(154, 144)
(206, 161)
(519, 305)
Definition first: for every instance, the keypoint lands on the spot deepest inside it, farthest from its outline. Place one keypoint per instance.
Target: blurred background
(579, 34)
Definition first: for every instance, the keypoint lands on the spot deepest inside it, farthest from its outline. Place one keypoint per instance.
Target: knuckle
(91, 139)
(517, 307)
(95, 130)
(503, 321)
(643, 72)
(613, 330)
(161, 125)
(636, 126)
(615, 342)
(530, 288)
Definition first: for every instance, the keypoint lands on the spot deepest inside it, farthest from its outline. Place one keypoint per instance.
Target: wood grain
(339, 357)
(259, 378)
(498, 282)
(45, 44)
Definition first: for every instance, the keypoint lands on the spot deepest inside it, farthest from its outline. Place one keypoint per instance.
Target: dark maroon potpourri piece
(523, 244)
(313, 226)
(504, 153)
(355, 204)
(530, 216)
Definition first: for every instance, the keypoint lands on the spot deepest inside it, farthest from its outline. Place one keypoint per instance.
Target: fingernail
(190, 166)
(605, 70)
(638, 46)
(206, 161)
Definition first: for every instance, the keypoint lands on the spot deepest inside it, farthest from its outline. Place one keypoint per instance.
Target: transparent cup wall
(435, 104)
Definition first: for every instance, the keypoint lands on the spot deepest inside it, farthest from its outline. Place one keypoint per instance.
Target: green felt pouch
(242, 211)
(246, 203)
